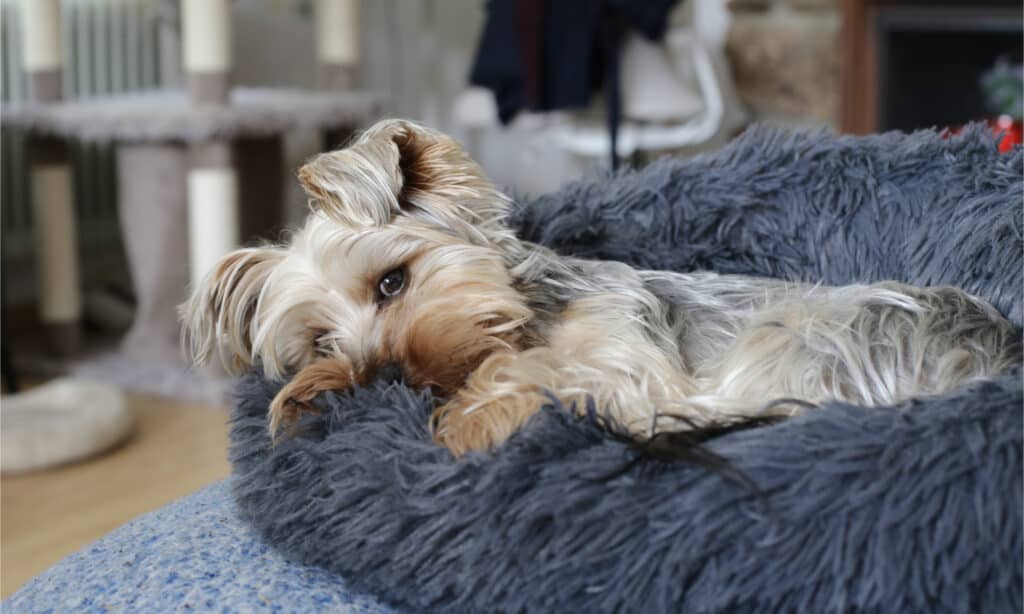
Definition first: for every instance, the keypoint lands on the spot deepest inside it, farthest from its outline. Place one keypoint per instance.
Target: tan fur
(498, 327)
(297, 395)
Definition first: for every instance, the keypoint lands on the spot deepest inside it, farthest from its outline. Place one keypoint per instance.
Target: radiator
(110, 46)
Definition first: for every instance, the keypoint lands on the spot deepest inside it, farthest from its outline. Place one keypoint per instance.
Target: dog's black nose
(390, 373)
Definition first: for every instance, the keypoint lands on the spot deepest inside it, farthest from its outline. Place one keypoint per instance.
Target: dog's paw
(470, 423)
(284, 413)
(461, 427)
(296, 397)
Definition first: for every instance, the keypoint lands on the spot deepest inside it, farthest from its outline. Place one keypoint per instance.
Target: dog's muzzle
(390, 373)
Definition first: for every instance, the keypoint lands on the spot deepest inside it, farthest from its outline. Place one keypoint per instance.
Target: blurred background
(143, 139)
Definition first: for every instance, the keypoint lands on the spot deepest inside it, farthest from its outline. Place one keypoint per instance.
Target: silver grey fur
(747, 340)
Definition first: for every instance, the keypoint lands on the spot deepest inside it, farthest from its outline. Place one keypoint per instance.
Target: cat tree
(199, 171)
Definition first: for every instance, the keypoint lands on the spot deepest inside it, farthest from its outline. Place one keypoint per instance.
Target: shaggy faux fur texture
(914, 508)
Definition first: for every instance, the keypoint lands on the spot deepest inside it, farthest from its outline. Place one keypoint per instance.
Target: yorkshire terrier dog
(406, 265)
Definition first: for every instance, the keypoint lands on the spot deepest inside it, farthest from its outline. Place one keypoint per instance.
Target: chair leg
(7, 371)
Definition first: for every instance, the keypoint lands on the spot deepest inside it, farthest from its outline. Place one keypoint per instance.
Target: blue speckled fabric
(193, 555)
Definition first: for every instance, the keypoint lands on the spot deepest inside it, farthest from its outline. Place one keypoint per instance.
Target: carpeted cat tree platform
(915, 508)
(199, 173)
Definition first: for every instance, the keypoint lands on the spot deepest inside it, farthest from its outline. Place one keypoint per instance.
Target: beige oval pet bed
(61, 421)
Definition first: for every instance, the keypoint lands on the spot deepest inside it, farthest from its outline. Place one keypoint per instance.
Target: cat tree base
(222, 163)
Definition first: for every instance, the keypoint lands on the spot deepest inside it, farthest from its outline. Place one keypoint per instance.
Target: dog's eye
(391, 285)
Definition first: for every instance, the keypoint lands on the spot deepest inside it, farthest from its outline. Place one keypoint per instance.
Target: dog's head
(402, 261)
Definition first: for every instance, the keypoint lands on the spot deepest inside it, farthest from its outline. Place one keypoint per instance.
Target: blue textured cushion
(192, 555)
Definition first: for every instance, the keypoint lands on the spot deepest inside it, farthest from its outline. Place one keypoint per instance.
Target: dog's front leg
(297, 396)
(498, 398)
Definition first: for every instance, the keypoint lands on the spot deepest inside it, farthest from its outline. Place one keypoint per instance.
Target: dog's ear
(401, 168)
(217, 319)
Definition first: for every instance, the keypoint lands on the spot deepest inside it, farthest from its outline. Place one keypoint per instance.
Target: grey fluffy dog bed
(913, 508)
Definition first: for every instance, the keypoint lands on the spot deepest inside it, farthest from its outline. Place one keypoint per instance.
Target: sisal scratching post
(337, 42)
(212, 179)
(206, 45)
(56, 240)
(337, 55)
(42, 51)
(212, 206)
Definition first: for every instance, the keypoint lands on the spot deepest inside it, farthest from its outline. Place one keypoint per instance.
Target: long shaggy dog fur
(495, 325)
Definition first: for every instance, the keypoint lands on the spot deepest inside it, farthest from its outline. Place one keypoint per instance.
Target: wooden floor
(176, 449)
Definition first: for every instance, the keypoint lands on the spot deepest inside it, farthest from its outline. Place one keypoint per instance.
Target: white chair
(587, 138)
